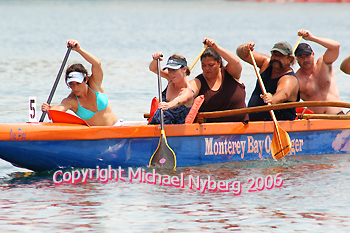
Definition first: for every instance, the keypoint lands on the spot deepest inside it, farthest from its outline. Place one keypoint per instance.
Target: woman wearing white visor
(87, 98)
(177, 97)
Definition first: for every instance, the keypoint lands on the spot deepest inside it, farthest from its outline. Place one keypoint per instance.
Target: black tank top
(230, 95)
(271, 87)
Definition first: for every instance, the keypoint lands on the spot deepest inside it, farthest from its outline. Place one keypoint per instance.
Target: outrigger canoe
(50, 146)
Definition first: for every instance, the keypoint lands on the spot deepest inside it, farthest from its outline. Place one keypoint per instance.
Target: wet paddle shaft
(56, 81)
(164, 156)
(280, 145)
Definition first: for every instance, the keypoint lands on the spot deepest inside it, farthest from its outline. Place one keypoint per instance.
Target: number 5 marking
(32, 109)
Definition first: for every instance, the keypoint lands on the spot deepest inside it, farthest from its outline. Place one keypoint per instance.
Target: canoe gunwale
(62, 131)
(201, 117)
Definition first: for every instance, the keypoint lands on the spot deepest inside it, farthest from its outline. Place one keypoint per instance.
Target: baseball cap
(75, 77)
(303, 48)
(283, 47)
(175, 64)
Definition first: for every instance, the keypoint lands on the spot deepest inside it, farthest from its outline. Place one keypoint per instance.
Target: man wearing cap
(278, 77)
(316, 77)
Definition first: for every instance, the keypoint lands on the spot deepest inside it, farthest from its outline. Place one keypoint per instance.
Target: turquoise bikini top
(102, 102)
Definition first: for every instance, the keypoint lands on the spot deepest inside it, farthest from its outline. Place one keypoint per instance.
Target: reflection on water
(123, 35)
(33, 201)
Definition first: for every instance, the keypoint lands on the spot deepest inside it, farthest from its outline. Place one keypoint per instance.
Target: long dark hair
(209, 52)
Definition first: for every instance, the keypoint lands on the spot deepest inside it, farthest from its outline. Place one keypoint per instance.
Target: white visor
(75, 77)
(172, 66)
(174, 63)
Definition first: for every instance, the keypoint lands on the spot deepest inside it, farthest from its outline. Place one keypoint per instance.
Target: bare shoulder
(195, 84)
(96, 87)
(265, 62)
(322, 68)
(236, 77)
(320, 62)
(288, 79)
(289, 85)
(70, 100)
(186, 90)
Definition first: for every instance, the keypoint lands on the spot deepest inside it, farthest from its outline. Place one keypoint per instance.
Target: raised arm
(345, 65)
(153, 65)
(233, 66)
(262, 60)
(96, 68)
(332, 46)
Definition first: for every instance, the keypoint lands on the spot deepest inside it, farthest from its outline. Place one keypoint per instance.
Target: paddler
(87, 98)
(220, 84)
(279, 79)
(316, 77)
(177, 97)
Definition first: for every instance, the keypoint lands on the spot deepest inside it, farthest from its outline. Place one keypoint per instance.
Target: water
(123, 35)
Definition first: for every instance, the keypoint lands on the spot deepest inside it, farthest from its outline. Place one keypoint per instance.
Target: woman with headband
(87, 99)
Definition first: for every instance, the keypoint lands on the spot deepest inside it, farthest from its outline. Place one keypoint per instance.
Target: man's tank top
(271, 87)
(230, 95)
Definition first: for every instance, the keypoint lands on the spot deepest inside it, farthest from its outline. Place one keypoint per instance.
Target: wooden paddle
(164, 156)
(296, 44)
(203, 115)
(56, 82)
(324, 116)
(197, 58)
(280, 145)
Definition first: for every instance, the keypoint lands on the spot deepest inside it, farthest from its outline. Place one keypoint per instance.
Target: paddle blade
(164, 156)
(280, 145)
(64, 117)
